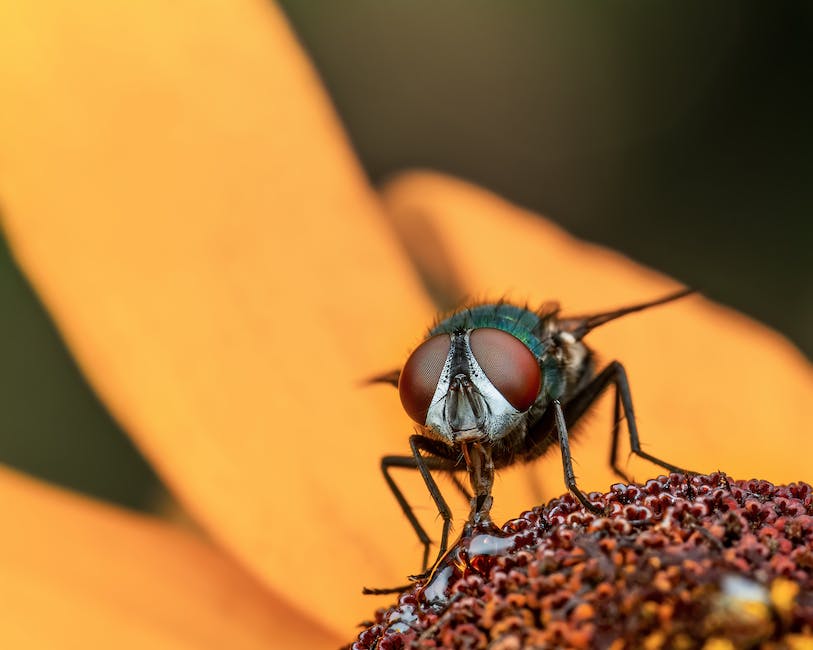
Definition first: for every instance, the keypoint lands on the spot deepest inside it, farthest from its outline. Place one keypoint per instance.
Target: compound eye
(508, 364)
(421, 374)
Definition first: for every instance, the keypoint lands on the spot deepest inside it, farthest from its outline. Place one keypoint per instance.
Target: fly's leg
(423, 465)
(619, 378)
(615, 433)
(420, 463)
(615, 374)
(567, 460)
(405, 461)
(418, 443)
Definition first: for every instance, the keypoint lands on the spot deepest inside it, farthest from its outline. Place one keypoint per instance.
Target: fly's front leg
(405, 461)
(423, 465)
(419, 462)
(417, 443)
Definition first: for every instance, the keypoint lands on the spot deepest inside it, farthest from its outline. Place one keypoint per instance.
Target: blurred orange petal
(77, 574)
(180, 193)
(712, 389)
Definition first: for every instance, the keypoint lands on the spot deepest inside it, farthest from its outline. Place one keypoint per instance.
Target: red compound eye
(421, 374)
(508, 364)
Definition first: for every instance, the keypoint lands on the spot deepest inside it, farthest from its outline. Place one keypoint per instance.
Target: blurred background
(677, 133)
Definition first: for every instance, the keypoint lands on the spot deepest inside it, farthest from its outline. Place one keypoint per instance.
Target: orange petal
(183, 198)
(712, 389)
(77, 574)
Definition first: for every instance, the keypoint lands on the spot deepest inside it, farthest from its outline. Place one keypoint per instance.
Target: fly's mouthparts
(464, 407)
(468, 435)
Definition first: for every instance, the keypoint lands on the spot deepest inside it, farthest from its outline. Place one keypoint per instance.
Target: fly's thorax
(578, 362)
(567, 365)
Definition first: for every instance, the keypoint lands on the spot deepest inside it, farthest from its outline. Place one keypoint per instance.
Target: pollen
(676, 562)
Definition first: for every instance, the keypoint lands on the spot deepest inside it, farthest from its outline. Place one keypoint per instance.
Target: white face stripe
(436, 407)
(501, 419)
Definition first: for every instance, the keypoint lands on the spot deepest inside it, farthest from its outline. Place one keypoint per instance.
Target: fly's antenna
(579, 326)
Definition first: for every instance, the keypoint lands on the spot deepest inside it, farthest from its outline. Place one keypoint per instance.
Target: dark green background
(679, 133)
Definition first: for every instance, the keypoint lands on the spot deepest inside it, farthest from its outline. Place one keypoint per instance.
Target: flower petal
(181, 195)
(77, 574)
(707, 382)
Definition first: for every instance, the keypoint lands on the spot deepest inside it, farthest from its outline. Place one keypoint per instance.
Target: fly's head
(470, 385)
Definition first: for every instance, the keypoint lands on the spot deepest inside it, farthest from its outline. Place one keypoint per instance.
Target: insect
(498, 384)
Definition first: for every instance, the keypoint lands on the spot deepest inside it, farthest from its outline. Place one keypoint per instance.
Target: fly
(498, 384)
